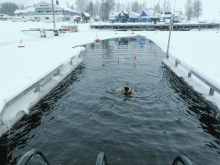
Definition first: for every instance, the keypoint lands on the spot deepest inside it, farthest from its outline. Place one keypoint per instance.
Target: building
(85, 16)
(43, 12)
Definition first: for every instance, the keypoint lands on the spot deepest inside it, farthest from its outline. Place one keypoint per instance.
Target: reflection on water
(84, 115)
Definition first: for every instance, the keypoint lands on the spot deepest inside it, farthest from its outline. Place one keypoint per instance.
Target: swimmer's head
(126, 87)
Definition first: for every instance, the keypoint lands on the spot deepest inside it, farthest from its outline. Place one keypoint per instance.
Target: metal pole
(53, 15)
(171, 25)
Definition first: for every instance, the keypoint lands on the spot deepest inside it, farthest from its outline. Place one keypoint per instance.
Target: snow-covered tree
(197, 8)
(81, 5)
(118, 7)
(166, 5)
(72, 7)
(128, 7)
(90, 8)
(106, 7)
(189, 10)
(157, 8)
(135, 7)
(97, 8)
(67, 4)
(8, 8)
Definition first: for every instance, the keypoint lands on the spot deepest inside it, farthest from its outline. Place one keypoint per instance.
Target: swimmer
(126, 90)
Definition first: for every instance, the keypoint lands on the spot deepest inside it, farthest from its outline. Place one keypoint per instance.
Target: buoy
(132, 33)
(21, 46)
(97, 40)
(103, 64)
(102, 56)
(118, 60)
(115, 33)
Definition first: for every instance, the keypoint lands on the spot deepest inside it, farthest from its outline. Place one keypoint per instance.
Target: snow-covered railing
(213, 88)
(36, 87)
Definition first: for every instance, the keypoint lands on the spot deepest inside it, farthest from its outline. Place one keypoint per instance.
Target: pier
(153, 27)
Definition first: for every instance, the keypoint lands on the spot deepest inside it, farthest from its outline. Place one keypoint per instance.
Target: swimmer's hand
(118, 89)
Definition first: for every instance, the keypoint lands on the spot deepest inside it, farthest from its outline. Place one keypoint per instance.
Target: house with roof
(43, 12)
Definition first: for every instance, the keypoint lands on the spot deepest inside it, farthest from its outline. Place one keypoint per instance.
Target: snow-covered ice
(22, 67)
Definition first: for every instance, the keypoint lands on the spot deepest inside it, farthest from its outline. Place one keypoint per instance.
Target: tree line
(8, 8)
(104, 8)
(193, 9)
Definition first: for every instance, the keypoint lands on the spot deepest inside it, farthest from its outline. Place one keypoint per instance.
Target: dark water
(84, 115)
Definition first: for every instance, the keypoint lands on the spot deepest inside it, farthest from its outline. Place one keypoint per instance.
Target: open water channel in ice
(84, 115)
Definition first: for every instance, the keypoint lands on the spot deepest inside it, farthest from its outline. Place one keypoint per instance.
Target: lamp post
(56, 32)
(171, 28)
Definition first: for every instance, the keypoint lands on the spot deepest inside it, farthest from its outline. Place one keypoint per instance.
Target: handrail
(213, 88)
(101, 159)
(206, 82)
(183, 159)
(24, 160)
(35, 85)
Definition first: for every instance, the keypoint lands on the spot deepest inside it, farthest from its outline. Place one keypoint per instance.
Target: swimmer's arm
(118, 89)
(133, 92)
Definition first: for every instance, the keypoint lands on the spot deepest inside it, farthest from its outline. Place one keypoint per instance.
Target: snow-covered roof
(86, 14)
(65, 8)
(96, 16)
(124, 12)
(134, 15)
(31, 9)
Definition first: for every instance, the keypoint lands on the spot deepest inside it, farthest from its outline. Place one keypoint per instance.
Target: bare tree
(20, 6)
(8, 8)
(72, 7)
(97, 8)
(90, 8)
(189, 10)
(118, 7)
(67, 4)
(128, 7)
(197, 8)
(135, 7)
(81, 5)
(157, 8)
(106, 7)
(166, 5)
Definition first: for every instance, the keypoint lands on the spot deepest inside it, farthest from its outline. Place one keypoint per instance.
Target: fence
(213, 87)
(36, 87)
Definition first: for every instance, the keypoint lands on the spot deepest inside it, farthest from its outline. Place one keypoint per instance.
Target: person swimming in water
(127, 90)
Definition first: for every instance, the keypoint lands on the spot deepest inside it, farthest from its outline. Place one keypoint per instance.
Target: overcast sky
(211, 8)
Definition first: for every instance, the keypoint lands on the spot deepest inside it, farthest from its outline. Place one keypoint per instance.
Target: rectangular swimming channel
(85, 114)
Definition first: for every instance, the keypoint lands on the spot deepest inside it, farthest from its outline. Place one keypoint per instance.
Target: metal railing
(35, 86)
(213, 88)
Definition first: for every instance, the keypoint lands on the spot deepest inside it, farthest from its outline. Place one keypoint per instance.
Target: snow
(65, 8)
(22, 67)
(31, 9)
(134, 15)
(86, 14)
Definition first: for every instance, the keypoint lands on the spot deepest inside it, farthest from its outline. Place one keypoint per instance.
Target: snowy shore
(22, 67)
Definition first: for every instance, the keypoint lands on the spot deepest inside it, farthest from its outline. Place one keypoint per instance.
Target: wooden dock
(153, 27)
